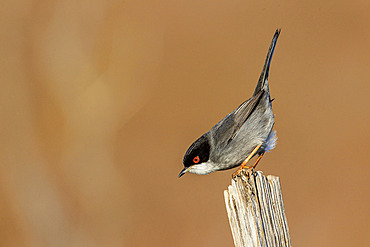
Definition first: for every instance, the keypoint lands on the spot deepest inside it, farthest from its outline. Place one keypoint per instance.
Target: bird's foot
(240, 170)
(242, 167)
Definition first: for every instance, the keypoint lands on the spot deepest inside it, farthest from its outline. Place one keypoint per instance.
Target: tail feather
(263, 80)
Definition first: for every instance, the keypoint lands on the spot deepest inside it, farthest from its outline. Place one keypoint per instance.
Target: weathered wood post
(255, 208)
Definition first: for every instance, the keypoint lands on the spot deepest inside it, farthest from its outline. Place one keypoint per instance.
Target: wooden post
(256, 211)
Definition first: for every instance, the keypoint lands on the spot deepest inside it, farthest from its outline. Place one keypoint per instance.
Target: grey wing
(225, 130)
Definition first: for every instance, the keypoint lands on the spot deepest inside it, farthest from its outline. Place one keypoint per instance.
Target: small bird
(242, 134)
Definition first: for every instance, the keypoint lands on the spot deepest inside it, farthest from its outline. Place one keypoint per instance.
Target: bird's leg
(258, 160)
(244, 163)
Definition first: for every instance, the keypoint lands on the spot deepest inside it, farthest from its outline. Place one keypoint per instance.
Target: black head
(198, 152)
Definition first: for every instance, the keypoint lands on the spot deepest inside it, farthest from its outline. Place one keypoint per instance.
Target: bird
(245, 132)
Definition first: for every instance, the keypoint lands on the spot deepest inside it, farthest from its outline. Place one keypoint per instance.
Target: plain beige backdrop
(100, 100)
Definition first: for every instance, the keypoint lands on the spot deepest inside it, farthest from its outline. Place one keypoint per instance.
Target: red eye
(196, 159)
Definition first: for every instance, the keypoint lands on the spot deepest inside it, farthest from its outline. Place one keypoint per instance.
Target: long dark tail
(262, 82)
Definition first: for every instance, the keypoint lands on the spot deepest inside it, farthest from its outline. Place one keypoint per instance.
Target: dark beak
(183, 171)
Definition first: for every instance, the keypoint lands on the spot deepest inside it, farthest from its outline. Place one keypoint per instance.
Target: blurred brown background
(100, 100)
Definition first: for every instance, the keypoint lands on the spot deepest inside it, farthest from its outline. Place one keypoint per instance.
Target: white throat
(203, 168)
